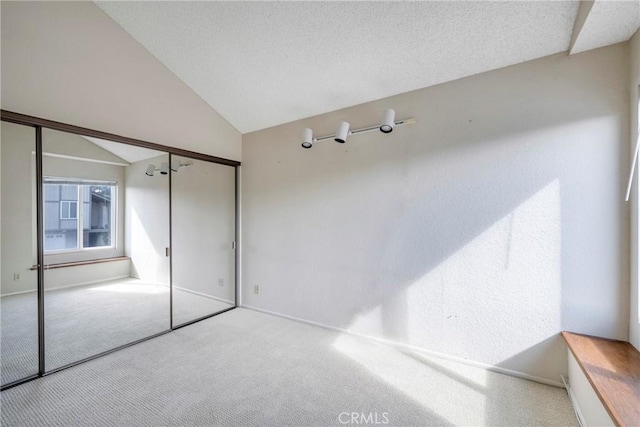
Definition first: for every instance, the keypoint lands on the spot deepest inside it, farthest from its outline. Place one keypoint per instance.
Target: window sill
(77, 251)
(613, 370)
(79, 263)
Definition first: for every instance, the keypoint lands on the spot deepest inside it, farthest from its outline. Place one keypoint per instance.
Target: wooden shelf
(78, 263)
(613, 370)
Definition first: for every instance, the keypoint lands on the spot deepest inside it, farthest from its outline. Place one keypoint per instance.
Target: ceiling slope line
(583, 12)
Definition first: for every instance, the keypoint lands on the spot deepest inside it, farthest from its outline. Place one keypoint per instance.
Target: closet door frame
(37, 144)
(235, 246)
(40, 123)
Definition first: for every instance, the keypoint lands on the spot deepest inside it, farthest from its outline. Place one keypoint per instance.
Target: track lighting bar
(343, 132)
(366, 129)
(164, 167)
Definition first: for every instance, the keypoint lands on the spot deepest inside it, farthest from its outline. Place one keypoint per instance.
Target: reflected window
(78, 215)
(68, 209)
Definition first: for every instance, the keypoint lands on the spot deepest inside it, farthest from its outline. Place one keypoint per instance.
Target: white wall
(67, 144)
(74, 145)
(482, 231)
(18, 215)
(203, 218)
(18, 196)
(70, 62)
(58, 278)
(147, 221)
(634, 318)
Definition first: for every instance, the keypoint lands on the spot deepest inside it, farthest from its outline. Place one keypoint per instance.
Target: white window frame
(635, 263)
(68, 203)
(80, 214)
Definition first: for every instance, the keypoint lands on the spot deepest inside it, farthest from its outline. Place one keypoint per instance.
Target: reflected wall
(203, 233)
(105, 234)
(18, 288)
(86, 243)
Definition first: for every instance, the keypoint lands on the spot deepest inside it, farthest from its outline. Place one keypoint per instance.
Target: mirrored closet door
(202, 234)
(106, 245)
(18, 289)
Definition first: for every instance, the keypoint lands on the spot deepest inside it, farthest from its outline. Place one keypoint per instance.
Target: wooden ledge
(78, 263)
(613, 370)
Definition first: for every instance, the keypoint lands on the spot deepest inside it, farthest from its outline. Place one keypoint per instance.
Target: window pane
(60, 217)
(65, 203)
(73, 210)
(97, 216)
(64, 210)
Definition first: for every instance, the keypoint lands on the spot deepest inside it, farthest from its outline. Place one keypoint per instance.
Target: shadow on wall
(481, 232)
(146, 256)
(548, 352)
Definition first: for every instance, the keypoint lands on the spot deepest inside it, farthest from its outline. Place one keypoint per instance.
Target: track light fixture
(342, 133)
(387, 125)
(307, 138)
(177, 164)
(388, 121)
(164, 167)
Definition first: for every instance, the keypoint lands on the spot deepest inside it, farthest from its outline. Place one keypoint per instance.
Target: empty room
(313, 213)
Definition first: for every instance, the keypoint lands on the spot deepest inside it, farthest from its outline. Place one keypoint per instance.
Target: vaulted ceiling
(260, 64)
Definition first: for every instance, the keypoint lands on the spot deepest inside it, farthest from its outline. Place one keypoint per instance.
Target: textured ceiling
(608, 22)
(260, 64)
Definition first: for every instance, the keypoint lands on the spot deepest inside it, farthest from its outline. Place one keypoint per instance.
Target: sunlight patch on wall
(495, 297)
(501, 292)
(144, 256)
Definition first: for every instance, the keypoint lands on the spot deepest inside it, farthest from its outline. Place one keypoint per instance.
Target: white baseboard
(95, 282)
(574, 403)
(396, 344)
(16, 293)
(576, 408)
(92, 282)
(203, 295)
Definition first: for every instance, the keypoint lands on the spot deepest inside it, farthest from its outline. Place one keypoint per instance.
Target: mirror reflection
(203, 232)
(107, 273)
(106, 239)
(18, 288)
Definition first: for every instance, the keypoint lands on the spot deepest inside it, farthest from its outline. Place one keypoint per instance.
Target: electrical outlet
(256, 289)
(221, 282)
(16, 276)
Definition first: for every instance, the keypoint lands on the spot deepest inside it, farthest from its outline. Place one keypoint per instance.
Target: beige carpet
(86, 320)
(247, 368)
